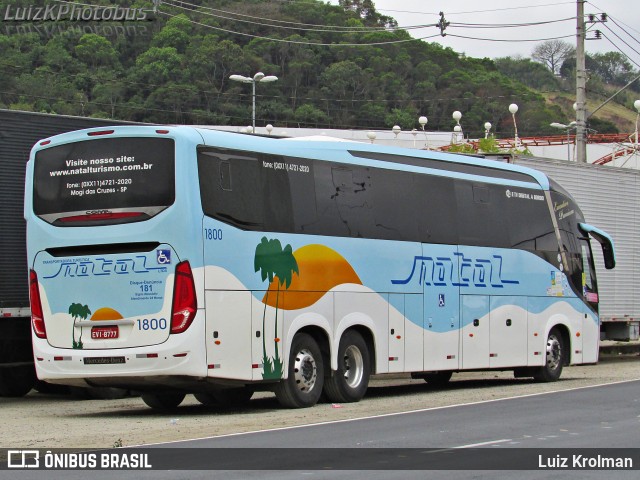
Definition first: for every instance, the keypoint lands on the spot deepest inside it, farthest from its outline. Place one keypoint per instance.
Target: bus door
(439, 273)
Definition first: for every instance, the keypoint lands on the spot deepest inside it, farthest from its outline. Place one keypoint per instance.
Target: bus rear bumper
(179, 356)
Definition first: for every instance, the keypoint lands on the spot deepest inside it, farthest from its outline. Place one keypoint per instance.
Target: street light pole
(258, 77)
(458, 128)
(513, 109)
(568, 129)
(581, 88)
(636, 104)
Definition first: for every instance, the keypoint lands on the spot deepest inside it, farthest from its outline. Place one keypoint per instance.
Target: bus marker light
(61, 359)
(577, 334)
(180, 355)
(451, 357)
(100, 216)
(213, 366)
(398, 337)
(40, 359)
(393, 359)
(164, 132)
(471, 334)
(46, 142)
(277, 340)
(100, 132)
(217, 342)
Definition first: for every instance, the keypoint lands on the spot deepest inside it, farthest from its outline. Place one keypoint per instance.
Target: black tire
(303, 385)
(51, 388)
(17, 381)
(228, 397)
(350, 381)
(206, 399)
(438, 379)
(555, 358)
(166, 401)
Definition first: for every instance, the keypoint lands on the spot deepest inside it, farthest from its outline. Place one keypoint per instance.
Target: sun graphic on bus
(106, 313)
(320, 269)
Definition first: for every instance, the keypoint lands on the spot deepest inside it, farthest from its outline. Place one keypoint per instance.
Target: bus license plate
(103, 333)
(103, 360)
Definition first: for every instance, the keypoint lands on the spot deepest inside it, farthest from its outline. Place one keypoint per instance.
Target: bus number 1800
(213, 233)
(152, 324)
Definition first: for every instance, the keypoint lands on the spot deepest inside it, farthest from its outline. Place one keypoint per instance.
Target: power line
(620, 50)
(294, 25)
(528, 7)
(509, 40)
(509, 25)
(282, 40)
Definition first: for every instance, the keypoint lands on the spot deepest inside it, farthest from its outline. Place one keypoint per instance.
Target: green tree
(94, 51)
(77, 310)
(273, 262)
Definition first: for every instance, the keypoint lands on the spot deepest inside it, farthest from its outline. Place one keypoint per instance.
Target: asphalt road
(597, 418)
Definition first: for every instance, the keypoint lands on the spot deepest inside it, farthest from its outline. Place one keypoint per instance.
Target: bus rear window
(104, 181)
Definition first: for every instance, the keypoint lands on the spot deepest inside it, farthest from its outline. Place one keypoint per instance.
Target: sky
(420, 12)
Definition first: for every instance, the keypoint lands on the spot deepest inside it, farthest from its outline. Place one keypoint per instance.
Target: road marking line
(370, 417)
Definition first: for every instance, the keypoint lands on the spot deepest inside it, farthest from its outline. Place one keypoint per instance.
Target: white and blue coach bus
(177, 260)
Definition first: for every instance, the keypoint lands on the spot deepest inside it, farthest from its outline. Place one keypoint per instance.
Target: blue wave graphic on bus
(103, 267)
(439, 272)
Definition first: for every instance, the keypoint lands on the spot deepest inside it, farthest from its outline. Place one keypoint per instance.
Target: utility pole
(581, 88)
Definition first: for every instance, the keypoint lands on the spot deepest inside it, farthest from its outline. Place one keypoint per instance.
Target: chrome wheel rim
(305, 370)
(353, 365)
(554, 352)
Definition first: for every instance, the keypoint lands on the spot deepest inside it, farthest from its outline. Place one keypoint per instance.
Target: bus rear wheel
(163, 401)
(303, 386)
(350, 381)
(17, 381)
(555, 358)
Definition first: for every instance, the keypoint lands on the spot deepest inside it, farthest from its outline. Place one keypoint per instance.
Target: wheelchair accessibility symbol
(163, 257)
(441, 299)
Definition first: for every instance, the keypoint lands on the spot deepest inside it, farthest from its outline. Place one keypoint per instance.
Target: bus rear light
(180, 355)
(37, 317)
(185, 304)
(46, 142)
(100, 132)
(147, 355)
(163, 132)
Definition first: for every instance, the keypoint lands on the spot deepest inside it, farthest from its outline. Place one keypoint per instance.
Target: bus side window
(225, 176)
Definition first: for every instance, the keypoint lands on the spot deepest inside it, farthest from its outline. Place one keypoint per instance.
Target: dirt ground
(56, 421)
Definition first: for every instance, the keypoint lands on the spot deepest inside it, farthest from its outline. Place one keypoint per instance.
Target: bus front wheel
(350, 381)
(555, 358)
(163, 401)
(303, 386)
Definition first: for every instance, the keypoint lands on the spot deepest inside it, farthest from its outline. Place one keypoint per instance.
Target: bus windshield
(104, 181)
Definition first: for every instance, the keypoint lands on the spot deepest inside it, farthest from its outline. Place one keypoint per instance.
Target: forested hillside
(341, 66)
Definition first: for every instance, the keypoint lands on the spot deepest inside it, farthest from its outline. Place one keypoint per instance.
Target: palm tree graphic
(77, 310)
(273, 261)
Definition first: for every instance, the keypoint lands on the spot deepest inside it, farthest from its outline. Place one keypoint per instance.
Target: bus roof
(346, 151)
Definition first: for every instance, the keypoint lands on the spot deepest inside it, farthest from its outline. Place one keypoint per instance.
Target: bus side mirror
(609, 256)
(605, 240)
